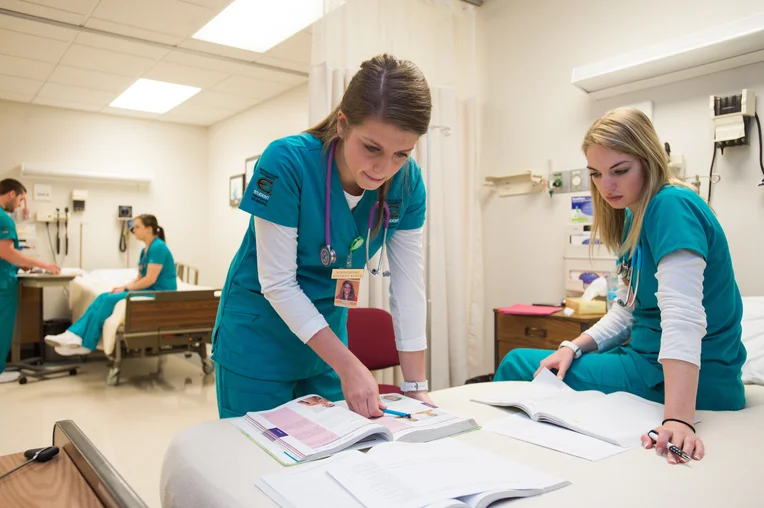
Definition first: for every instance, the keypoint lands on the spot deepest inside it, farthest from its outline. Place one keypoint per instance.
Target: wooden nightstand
(512, 331)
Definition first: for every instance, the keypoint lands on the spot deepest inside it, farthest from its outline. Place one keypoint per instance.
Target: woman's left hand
(120, 289)
(681, 436)
(423, 396)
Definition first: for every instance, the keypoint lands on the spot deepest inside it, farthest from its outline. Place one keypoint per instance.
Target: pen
(396, 413)
(672, 448)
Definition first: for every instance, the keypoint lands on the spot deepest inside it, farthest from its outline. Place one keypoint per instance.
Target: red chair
(371, 338)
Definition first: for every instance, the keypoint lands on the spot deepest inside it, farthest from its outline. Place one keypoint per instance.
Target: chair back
(371, 338)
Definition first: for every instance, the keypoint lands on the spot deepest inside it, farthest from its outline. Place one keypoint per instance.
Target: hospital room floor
(131, 424)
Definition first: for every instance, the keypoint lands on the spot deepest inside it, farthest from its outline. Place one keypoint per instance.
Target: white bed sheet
(83, 290)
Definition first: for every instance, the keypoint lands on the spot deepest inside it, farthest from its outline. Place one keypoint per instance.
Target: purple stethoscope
(329, 255)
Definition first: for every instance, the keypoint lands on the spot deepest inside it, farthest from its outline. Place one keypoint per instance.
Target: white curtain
(439, 37)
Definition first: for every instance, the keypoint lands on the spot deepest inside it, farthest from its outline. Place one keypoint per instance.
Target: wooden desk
(57, 482)
(511, 331)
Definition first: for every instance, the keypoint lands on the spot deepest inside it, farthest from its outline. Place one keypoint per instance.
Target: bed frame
(169, 322)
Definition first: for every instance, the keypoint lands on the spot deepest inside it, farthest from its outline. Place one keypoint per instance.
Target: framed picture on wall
(235, 190)
(249, 169)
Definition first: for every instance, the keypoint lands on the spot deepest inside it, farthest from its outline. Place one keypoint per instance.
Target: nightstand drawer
(535, 330)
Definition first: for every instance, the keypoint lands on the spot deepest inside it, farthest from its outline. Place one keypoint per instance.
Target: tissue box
(586, 307)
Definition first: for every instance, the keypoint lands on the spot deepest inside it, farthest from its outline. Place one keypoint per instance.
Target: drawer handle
(532, 331)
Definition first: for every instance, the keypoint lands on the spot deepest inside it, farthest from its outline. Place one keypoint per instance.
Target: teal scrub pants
(238, 395)
(90, 325)
(612, 371)
(9, 302)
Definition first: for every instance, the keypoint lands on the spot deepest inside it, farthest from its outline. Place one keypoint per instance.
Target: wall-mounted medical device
(78, 200)
(124, 212)
(732, 118)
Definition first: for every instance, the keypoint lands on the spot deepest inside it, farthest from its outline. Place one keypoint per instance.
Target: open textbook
(440, 474)
(311, 427)
(618, 418)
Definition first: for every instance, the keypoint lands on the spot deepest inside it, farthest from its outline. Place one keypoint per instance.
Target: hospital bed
(213, 464)
(149, 323)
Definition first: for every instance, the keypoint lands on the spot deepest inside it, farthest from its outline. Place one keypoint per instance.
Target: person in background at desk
(12, 192)
(677, 297)
(156, 272)
(278, 333)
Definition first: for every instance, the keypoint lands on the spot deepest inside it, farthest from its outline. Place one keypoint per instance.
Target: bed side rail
(170, 310)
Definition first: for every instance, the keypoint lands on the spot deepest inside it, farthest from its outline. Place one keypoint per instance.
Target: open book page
(519, 426)
(311, 486)
(307, 428)
(424, 417)
(415, 475)
(545, 394)
(619, 418)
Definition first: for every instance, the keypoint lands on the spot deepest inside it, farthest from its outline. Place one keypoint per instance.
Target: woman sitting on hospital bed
(156, 272)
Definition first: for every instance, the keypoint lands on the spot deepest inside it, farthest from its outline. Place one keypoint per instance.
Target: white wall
(531, 114)
(231, 142)
(175, 154)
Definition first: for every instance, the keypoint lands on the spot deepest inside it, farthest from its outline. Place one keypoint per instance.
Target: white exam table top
(213, 464)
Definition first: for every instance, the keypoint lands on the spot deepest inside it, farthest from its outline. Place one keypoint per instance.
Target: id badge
(348, 287)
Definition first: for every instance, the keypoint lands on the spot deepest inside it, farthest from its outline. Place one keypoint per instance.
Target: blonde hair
(389, 89)
(628, 131)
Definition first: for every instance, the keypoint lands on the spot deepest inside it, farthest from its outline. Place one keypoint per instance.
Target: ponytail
(160, 233)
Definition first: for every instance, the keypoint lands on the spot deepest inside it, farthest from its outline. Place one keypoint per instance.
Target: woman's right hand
(50, 268)
(361, 391)
(560, 360)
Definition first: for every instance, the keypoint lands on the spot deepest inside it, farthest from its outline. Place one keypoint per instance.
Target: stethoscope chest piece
(328, 256)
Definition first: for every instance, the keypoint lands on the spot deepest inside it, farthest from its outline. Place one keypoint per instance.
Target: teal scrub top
(8, 232)
(288, 188)
(159, 254)
(678, 219)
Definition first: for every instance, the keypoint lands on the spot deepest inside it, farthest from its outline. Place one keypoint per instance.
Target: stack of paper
(440, 474)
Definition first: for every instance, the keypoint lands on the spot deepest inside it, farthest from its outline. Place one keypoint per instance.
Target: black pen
(672, 448)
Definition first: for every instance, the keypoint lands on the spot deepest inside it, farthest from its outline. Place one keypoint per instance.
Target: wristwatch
(414, 386)
(572, 346)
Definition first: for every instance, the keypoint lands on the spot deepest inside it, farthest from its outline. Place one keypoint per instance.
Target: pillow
(753, 338)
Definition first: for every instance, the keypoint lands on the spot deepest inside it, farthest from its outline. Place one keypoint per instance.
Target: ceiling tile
(130, 31)
(285, 64)
(39, 29)
(84, 57)
(77, 6)
(255, 88)
(63, 103)
(76, 94)
(16, 97)
(164, 16)
(186, 113)
(231, 102)
(95, 80)
(184, 75)
(19, 85)
(295, 49)
(25, 68)
(129, 112)
(43, 12)
(119, 45)
(30, 46)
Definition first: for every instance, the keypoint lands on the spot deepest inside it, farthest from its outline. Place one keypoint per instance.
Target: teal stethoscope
(626, 270)
(328, 254)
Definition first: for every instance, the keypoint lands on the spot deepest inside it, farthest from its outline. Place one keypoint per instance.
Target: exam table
(213, 464)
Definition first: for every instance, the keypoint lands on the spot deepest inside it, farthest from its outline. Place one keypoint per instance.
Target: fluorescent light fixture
(41, 171)
(258, 25)
(718, 48)
(154, 96)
